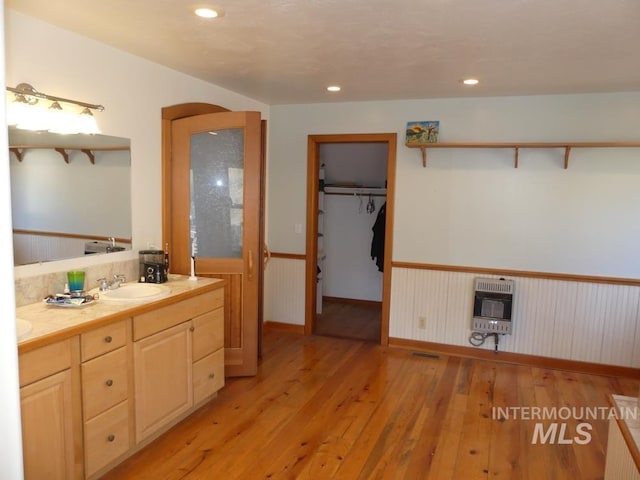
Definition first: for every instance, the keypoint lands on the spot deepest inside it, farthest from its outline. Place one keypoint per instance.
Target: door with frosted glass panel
(216, 215)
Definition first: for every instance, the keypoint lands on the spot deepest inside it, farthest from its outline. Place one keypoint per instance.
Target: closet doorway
(350, 190)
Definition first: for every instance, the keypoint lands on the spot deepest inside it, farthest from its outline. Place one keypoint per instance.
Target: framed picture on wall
(425, 131)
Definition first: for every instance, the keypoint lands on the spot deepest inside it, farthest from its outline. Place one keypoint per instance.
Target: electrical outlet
(422, 322)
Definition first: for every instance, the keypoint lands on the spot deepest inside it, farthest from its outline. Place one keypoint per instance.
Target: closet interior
(351, 221)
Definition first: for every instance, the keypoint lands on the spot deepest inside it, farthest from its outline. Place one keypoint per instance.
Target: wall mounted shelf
(567, 146)
(19, 150)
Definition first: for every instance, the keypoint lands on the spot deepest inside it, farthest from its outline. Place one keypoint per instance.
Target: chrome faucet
(104, 284)
(117, 281)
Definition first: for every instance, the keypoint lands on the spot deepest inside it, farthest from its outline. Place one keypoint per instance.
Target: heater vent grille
(495, 286)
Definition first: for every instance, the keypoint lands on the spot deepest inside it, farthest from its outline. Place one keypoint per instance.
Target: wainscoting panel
(284, 291)
(553, 318)
(36, 248)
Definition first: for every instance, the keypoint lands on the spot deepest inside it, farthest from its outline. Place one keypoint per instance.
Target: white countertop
(50, 321)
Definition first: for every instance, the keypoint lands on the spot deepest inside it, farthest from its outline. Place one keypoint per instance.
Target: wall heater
(492, 305)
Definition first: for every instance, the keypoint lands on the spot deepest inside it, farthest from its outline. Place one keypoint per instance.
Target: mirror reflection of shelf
(19, 151)
(372, 191)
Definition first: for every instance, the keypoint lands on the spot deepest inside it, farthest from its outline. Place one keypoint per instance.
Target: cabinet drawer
(105, 382)
(106, 437)
(153, 322)
(103, 340)
(208, 333)
(45, 361)
(208, 376)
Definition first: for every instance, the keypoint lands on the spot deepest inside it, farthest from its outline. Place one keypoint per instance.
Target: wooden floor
(328, 408)
(349, 319)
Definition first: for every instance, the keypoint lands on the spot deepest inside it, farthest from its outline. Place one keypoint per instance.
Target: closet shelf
(373, 191)
(518, 145)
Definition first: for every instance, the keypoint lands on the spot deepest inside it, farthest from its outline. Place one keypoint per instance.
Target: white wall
(11, 439)
(584, 220)
(133, 92)
(471, 207)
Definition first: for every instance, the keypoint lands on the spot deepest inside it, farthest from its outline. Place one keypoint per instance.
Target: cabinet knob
(111, 437)
(192, 328)
(212, 375)
(108, 339)
(109, 382)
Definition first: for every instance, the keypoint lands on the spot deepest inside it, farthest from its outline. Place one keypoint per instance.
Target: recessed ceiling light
(333, 88)
(470, 81)
(206, 12)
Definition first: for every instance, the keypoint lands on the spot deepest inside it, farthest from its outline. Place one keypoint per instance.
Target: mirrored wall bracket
(63, 152)
(17, 152)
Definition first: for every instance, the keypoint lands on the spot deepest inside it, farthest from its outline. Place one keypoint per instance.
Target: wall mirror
(70, 195)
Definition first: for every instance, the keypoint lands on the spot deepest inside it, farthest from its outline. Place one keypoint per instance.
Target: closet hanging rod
(357, 194)
(332, 189)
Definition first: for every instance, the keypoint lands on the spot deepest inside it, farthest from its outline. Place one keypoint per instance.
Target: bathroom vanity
(99, 382)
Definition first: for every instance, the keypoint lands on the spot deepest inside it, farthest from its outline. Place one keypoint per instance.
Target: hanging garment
(377, 244)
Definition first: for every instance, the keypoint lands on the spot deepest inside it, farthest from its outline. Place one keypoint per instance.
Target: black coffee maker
(154, 266)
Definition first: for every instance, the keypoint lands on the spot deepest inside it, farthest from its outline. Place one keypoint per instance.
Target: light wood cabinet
(162, 364)
(178, 360)
(208, 354)
(92, 400)
(47, 431)
(106, 386)
(208, 376)
(49, 409)
(106, 437)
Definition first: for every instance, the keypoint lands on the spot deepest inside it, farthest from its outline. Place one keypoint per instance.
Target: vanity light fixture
(333, 88)
(207, 12)
(26, 113)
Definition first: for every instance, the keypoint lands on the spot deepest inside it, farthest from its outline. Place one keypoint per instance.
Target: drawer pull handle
(108, 339)
(111, 437)
(109, 382)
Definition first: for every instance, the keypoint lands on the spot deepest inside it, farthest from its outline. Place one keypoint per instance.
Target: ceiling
(289, 51)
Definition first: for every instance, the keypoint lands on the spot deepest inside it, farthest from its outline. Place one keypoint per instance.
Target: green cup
(75, 279)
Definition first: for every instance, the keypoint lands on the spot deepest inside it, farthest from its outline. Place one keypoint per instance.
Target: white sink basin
(134, 293)
(23, 328)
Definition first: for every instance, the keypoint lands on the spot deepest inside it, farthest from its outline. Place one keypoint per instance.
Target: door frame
(313, 171)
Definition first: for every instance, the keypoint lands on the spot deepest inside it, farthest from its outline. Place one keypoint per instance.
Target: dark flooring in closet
(349, 319)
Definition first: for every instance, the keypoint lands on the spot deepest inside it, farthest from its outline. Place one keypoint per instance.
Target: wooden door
(216, 197)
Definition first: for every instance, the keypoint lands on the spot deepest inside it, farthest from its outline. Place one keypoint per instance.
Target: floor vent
(425, 354)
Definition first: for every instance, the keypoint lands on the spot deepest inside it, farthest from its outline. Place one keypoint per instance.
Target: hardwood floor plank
(329, 408)
(474, 448)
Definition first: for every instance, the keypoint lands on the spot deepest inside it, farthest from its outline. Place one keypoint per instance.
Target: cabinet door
(163, 378)
(47, 428)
